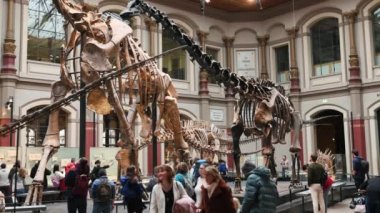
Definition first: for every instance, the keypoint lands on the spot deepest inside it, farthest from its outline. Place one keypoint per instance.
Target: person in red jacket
(216, 196)
(326, 189)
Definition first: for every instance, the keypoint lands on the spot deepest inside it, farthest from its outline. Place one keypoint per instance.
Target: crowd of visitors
(198, 187)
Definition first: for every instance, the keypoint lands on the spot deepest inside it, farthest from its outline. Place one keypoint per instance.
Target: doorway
(329, 131)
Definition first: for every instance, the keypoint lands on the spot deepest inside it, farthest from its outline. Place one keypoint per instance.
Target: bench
(303, 194)
(118, 203)
(339, 185)
(295, 190)
(36, 208)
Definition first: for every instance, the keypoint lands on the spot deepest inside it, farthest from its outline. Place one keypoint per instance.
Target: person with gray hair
(256, 200)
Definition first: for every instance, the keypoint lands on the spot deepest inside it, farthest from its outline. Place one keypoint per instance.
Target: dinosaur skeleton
(262, 108)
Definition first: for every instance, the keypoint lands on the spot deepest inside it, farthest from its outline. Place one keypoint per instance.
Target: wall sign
(216, 115)
(246, 63)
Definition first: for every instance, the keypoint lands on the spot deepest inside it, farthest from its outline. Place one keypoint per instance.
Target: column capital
(263, 40)
(9, 46)
(150, 24)
(228, 41)
(202, 36)
(292, 32)
(351, 15)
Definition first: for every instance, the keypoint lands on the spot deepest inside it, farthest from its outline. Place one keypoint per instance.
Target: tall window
(36, 130)
(376, 34)
(325, 47)
(282, 63)
(214, 52)
(174, 63)
(111, 130)
(45, 31)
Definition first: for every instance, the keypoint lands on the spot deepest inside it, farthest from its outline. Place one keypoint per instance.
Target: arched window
(174, 63)
(376, 34)
(45, 31)
(325, 47)
(36, 130)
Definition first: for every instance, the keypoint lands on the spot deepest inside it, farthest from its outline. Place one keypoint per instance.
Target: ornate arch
(316, 15)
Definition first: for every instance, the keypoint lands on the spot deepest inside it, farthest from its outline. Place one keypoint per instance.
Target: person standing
(132, 190)
(326, 188)
(284, 166)
(260, 191)
(314, 176)
(4, 182)
(70, 165)
(181, 176)
(46, 173)
(103, 193)
(200, 182)
(16, 167)
(77, 187)
(166, 192)
(357, 173)
(372, 189)
(216, 196)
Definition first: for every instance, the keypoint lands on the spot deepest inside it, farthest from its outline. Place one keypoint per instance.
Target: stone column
(9, 57)
(294, 74)
(151, 26)
(203, 82)
(229, 93)
(355, 84)
(203, 75)
(263, 57)
(8, 73)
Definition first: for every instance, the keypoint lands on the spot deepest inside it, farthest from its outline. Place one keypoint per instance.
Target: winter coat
(314, 173)
(157, 202)
(219, 201)
(260, 192)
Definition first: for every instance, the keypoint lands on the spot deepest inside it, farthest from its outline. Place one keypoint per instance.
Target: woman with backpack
(132, 191)
(166, 192)
(181, 176)
(77, 187)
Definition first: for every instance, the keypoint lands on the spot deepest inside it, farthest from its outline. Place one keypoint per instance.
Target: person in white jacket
(166, 192)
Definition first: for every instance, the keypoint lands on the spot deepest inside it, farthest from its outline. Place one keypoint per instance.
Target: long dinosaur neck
(222, 75)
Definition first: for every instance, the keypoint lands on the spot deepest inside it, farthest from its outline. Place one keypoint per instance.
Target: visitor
(166, 192)
(182, 178)
(216, 196)
(13, 170)
(284, 167)
(103, 193)
(357, 172)
(76, 181)
(132, 191)
(33, 173)
(314, 176)
(372, 189)
(260, 191)
(191, 171)
(70, 165)
(153, 180)
(326, 188)
(196, 171)
(58, 181)
(95, 171)
(200, 182)
(19, 179)
(4, 181)
(222, 167)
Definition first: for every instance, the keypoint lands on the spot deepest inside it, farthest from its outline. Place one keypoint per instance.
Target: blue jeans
(325, 197)
(102, 207)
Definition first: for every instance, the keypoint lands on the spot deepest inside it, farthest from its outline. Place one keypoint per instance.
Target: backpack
(222, 169)
(55, 181)
(130, 191)
(323, 178)
(81, 185)
(364, 166)
(104, 192)
(188, 187)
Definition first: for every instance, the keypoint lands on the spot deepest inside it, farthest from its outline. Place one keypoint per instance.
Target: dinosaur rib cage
(26, 119)
(251, 91)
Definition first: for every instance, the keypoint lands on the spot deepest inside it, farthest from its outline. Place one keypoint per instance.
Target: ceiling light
(207, 1)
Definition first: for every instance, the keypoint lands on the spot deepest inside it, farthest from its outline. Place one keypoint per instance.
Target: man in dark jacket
(314, 180)
(33, 173)
(103, 197)
(260, 191)
(357, 173)
(372, 187)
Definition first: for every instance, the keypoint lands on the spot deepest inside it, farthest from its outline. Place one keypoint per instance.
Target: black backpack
(365, 166)
(323, 178)
(104, 192)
